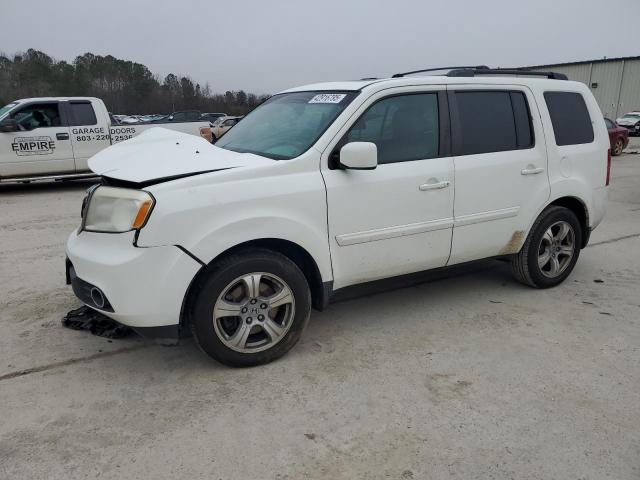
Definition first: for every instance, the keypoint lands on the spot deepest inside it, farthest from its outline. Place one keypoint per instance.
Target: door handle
(532, 171)
(434, 186)
(62, 136)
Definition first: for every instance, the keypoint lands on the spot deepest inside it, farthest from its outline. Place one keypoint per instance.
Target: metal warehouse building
(615, 82)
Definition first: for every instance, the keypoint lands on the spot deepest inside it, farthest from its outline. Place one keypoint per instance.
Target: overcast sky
(264, 46)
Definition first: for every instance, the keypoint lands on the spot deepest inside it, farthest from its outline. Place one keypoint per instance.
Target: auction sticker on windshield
(328, 98)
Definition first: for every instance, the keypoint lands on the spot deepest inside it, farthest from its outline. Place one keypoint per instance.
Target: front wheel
(551, 249)
(251, 309)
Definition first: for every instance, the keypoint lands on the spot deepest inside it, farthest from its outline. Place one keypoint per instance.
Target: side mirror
(9, 125)
(359, 156)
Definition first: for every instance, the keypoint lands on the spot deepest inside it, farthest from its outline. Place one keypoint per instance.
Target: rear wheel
(551, 249)
(251, 309)
(618, 147)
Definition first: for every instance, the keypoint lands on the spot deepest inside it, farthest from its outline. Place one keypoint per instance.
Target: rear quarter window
(569, 117)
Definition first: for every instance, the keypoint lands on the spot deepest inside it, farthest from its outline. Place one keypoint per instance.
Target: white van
(331, 185)
(53, 137)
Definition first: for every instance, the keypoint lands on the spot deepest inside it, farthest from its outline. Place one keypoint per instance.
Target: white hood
(161, 153)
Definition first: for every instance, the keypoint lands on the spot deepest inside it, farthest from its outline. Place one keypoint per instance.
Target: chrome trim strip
(393, 232)
(69, 176)
(486, 216)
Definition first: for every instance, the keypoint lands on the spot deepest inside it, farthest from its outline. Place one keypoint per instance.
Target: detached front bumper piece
(142, 288)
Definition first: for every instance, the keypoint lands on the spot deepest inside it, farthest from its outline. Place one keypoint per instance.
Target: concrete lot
(473, 376)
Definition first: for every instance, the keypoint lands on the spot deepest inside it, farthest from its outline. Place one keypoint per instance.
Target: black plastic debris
(85, 318)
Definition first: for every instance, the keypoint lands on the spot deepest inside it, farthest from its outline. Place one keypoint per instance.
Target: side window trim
(444, 120)
(456, 137)
(532, 132)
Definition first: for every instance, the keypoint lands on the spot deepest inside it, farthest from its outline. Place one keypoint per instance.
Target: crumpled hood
(159, 154)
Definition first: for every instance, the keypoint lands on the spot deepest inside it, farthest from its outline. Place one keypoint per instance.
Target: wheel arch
(579, 208)
(320, 291)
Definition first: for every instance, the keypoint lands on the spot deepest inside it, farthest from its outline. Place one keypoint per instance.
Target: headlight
(117, 210)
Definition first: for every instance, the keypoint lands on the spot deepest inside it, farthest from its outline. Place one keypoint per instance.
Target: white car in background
(331, 185)
(630, 121)
(222, 126)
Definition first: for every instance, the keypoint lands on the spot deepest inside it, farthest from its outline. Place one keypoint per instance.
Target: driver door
(40, 144)
(397, 218)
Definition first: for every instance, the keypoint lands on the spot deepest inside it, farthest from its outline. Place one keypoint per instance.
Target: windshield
(6, 108)
(286, 125)
(631, 117)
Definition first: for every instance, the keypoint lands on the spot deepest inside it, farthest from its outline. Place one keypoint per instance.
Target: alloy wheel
(254, 312)
(556, 249)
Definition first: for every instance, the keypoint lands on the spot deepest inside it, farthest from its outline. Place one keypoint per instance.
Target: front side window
(608, 123)
(81, 113)
(286, 125)
(492, 121)
(403, 127)
(569, 117)
(37, 115)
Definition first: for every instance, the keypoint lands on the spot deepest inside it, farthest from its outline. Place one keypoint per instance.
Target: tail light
(608, 167)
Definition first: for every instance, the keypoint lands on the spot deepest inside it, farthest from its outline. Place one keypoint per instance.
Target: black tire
(525, 263)
(226, 270)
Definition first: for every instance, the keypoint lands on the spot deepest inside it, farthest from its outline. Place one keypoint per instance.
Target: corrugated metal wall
(615, 83)
(630, 90)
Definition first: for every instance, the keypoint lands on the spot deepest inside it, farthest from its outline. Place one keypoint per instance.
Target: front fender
(228, 236)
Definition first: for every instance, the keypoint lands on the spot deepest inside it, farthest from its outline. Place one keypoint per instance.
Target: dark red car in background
(618, 136)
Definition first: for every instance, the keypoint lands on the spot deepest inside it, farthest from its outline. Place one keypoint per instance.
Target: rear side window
(492, 121)
(569, 117)
(82, 114)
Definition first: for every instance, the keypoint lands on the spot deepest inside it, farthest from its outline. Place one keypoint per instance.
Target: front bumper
(142, 288)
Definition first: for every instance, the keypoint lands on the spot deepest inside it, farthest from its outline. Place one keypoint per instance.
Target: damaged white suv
(330, 185)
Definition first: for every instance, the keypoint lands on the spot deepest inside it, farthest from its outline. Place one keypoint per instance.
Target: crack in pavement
(613, 240)
(72, 361)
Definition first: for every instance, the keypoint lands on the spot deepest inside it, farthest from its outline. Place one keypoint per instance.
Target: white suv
(335, 184)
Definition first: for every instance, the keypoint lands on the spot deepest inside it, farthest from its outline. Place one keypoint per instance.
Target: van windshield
(286, 125)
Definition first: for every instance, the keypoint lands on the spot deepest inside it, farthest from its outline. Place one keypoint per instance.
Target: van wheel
(618, 147)
(551, 249)
(251, 308)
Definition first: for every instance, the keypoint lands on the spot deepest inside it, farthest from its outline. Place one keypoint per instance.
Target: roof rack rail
(476, 67)
(471, 72)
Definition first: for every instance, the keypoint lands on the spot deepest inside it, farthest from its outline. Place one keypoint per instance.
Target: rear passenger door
(500, 169)
(87, 136)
